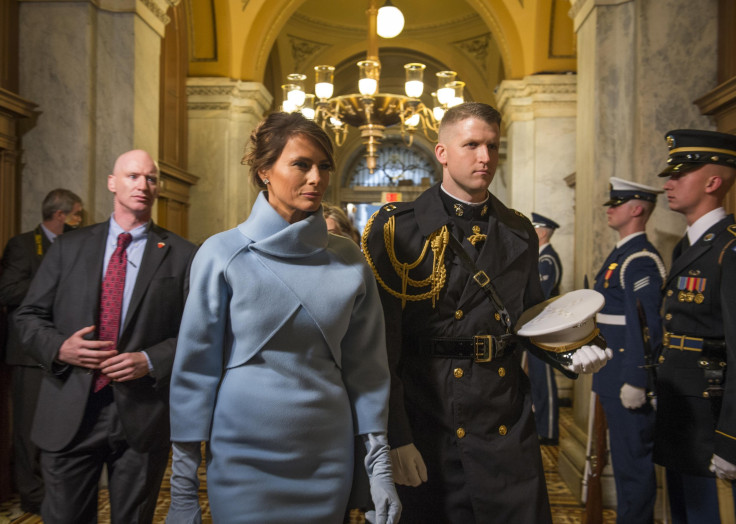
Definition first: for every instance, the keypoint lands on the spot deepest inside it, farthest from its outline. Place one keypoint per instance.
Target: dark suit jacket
(64, 298)
(20, 263)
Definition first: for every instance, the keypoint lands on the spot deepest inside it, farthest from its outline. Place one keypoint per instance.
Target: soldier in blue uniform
(632, 272)
(541, 374)
(696, 411)
(464, 445)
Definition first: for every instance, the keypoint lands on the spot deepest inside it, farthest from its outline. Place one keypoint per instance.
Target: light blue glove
(383, 491)
(185, 460)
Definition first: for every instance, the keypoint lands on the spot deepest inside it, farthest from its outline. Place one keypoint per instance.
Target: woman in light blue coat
(281, 357)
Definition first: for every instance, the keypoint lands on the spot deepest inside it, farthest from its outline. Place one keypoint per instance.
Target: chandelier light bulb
(296, 97)
(324, 77)
(367, 86)
(414, 85)
(323, 90)
(413, 120)
(445, 95)
(370, 71)
(390, 21)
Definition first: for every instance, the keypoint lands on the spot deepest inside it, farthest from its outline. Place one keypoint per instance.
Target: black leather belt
(481, 348)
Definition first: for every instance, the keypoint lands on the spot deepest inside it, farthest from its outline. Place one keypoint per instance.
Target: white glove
(722, 468)
(185, 460)
(408, 465)
(589, 359)
(383, 490)
(632, 397)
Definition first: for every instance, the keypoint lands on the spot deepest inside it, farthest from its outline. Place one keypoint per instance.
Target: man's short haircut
(58, 200)
(460, 112)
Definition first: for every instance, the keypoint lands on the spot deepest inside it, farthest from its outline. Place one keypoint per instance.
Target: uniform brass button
(703, 363)
(458, 372)
(460, 433)
(670, 292)
(706, 394)
(459, 314)
(661, 358)
(501, 372)
(502, 430)
(620, 350)
(497, 316)
(668, 316)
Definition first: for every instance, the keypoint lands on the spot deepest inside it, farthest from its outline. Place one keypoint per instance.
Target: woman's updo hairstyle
(268, 139)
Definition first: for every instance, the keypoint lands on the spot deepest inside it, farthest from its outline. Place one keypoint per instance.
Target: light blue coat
(249, 287)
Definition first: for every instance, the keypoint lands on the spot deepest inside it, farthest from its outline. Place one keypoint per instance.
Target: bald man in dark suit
(104, 398)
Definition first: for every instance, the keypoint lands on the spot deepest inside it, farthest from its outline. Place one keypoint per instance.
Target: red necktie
(111, 300)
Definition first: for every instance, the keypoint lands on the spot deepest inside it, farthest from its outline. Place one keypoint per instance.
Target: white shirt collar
(629, 237)
(49, 234)
(463, 201)
(704, 223)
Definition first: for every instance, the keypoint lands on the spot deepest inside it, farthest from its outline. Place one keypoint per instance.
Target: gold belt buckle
(483, 346)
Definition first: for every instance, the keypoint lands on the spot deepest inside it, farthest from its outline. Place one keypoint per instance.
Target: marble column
(222, 114)
(93, 69)
(641, 65)
(539, 122)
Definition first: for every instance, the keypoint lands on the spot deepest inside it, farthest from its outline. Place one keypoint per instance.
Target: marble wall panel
(94, 74)
(55, 56)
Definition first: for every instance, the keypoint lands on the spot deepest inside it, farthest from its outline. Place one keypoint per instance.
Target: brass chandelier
(370, 110)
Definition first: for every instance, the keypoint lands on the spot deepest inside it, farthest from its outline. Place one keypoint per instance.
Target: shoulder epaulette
(644, 253)
(520, 214)
(437, 243)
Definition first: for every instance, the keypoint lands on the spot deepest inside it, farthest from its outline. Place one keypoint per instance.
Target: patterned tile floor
(565, 508)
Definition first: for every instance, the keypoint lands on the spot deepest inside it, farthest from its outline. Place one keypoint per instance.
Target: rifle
(596, 458)
(649, 362)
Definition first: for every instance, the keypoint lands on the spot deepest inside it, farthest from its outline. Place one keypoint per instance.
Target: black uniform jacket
(21, 260)
(64, 298)
(479, 413)
(700, 302)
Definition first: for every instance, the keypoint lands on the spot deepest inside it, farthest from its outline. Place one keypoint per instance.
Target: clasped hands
(94, 354)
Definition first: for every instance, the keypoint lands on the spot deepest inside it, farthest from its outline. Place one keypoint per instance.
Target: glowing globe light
(390, 21)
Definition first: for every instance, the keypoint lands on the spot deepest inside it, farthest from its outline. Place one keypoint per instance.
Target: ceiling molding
(320, 24)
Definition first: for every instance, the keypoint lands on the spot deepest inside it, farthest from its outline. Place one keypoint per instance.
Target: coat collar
(699, 248)
(272, 235)
(507, 234)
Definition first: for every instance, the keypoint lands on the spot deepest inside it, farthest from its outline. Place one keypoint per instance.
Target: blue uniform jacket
(632, 272)
(550, 271)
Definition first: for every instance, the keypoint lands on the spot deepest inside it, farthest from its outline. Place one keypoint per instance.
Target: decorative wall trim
(537, 96)
(302, 49)
(476, 48)
(193, 35)
(223, 94)
(551, 50)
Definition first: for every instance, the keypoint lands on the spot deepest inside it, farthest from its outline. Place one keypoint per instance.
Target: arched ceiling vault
(236, 38)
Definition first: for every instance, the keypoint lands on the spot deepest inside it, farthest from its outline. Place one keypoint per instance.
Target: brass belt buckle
(483, 346)
(481, 278)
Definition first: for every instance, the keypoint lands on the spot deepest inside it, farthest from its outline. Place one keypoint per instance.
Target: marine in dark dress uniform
(541, 374)
(459, 399)
(696, 411)
(633, 272)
